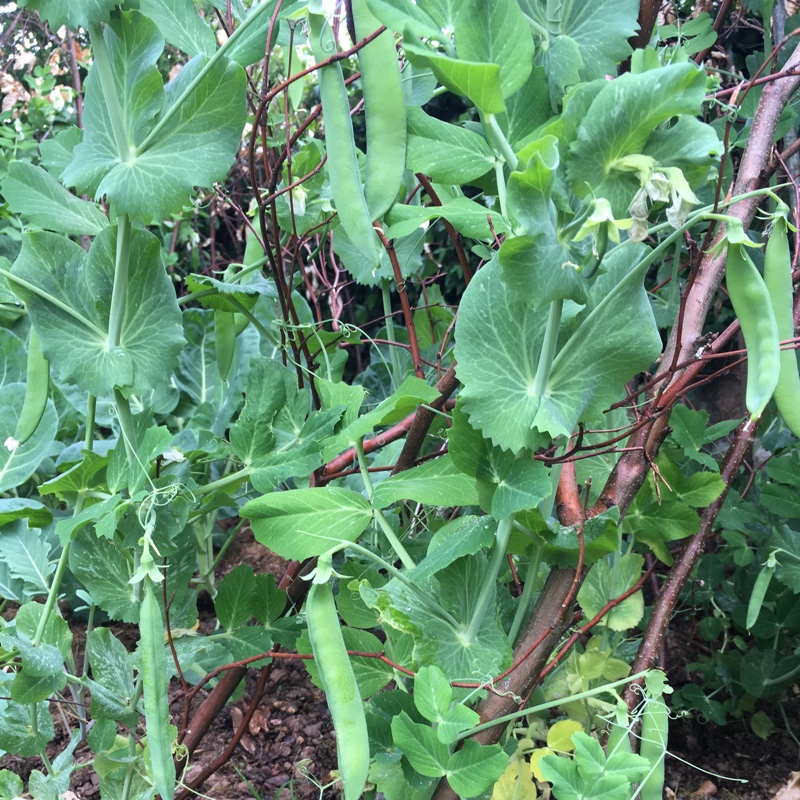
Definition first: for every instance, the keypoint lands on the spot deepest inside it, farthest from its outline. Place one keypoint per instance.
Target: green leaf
(436, 482)
(465, 215)
(302, 523)
(151, 337)
(16, 734)
(11, 785)
(33, 193)
(16, 466)
(498, 341)
(527, 109)
(445, 153)
(479, 82)
(600, 537)
(463, 536)
(432, 693)
(619, 123)
(36, 514)
(426, 754)
(25, 555)
(180, 24)
(605, 583)
(230, 293)
(234, 600)
(28, 687)
(496, 33)
(72, 13)
(474, 768)
(525, 485)
(196, 144)
(268, 601)
(112, 686)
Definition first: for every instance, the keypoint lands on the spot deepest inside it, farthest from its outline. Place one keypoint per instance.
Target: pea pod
(778, 278)
(224, 340)
(342, 164)
(384, 111)
(751, 302)
(36, 390)
(655, 728)
(341, 689)
(760, 591)
(156, 703)
(619, 737)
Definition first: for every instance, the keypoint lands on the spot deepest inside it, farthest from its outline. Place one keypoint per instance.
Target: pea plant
(426, 295)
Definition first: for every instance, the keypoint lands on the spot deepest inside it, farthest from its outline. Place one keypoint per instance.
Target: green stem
(402, 553)
(489, 581)
(234, 477)
(527, 593)
(10, 276)
(265, 332)
(35, 732)
(501, 187)
(209, 65)
(426, 599)
(119, 293)
(91, 414)
(498, 139)
(126, 425)
(549, 347)
(552, 704)
(390, 335)
(105, 72)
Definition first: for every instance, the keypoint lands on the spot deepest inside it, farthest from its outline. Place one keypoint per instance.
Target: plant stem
(402, 553)
(390, 335)
(234, 477)
(498, 139)
(209, 65)
(549, 347)
(119, 293)
(91, 413)
(490, 581)
(527, 593)
(127, 428)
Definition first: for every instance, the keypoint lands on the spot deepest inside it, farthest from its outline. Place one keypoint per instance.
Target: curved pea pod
(759, 592)
(778, 278)
(342, 163)
(341, 689)
(751, 302)
(224, 340)
(384, 111)
(619, 737)
(37, 387)
(655, 728)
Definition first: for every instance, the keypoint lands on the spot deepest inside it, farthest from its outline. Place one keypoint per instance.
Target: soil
(290, 736)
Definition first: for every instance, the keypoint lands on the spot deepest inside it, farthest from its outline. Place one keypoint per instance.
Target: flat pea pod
(759, 592)
(751, 302)
(341, 689)
(224, 340)
(778, 278)
(342, 163)
(37, 387)
(156, 702)
(384, 112)
(619, 738)
(655, 729)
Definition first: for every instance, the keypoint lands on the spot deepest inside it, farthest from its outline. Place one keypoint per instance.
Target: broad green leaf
(57, 150)
(72, 13)
(29, 688)
(605, 583)
(105, 570)
(526, 109)
(16, 466)
(426, 754)
(16, 734)
(465, 215)
(619, 123)
(251, 46)
(112, 674)
(12, 351)
(420, 17)
(11, 785)
(245, 294)
(496, 33)
(479, 82)
(89, 473)
(76, 343)
(234, 600)
(25, 556)
(788, 569)
(436, 482)
(246, 642)
(598, 33)
(600, 537)
(36, 514)
(656, 524)
(474, 768)
(464, 536)
(525, 485)
(432, 693)
(445, 153)
(180, 24)
(110, 507)
(200, 125)
(39, 198)
(302, 523)
(531, 184)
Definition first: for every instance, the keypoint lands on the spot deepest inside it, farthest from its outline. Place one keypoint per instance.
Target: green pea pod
(341, 689)
(36, 390)
(342, 163)
(655, 728)
(156, 703)
(778, 278)
(759, 593)
(384, 111)
(619, 738)
(224, 340)
(752, 305)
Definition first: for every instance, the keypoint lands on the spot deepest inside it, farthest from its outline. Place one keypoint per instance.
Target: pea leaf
(201, 113)
(603, 584)
(302, 523)
(72, 13)
(36, 195)
(75, 343)
(437, 482)
(181, 25)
